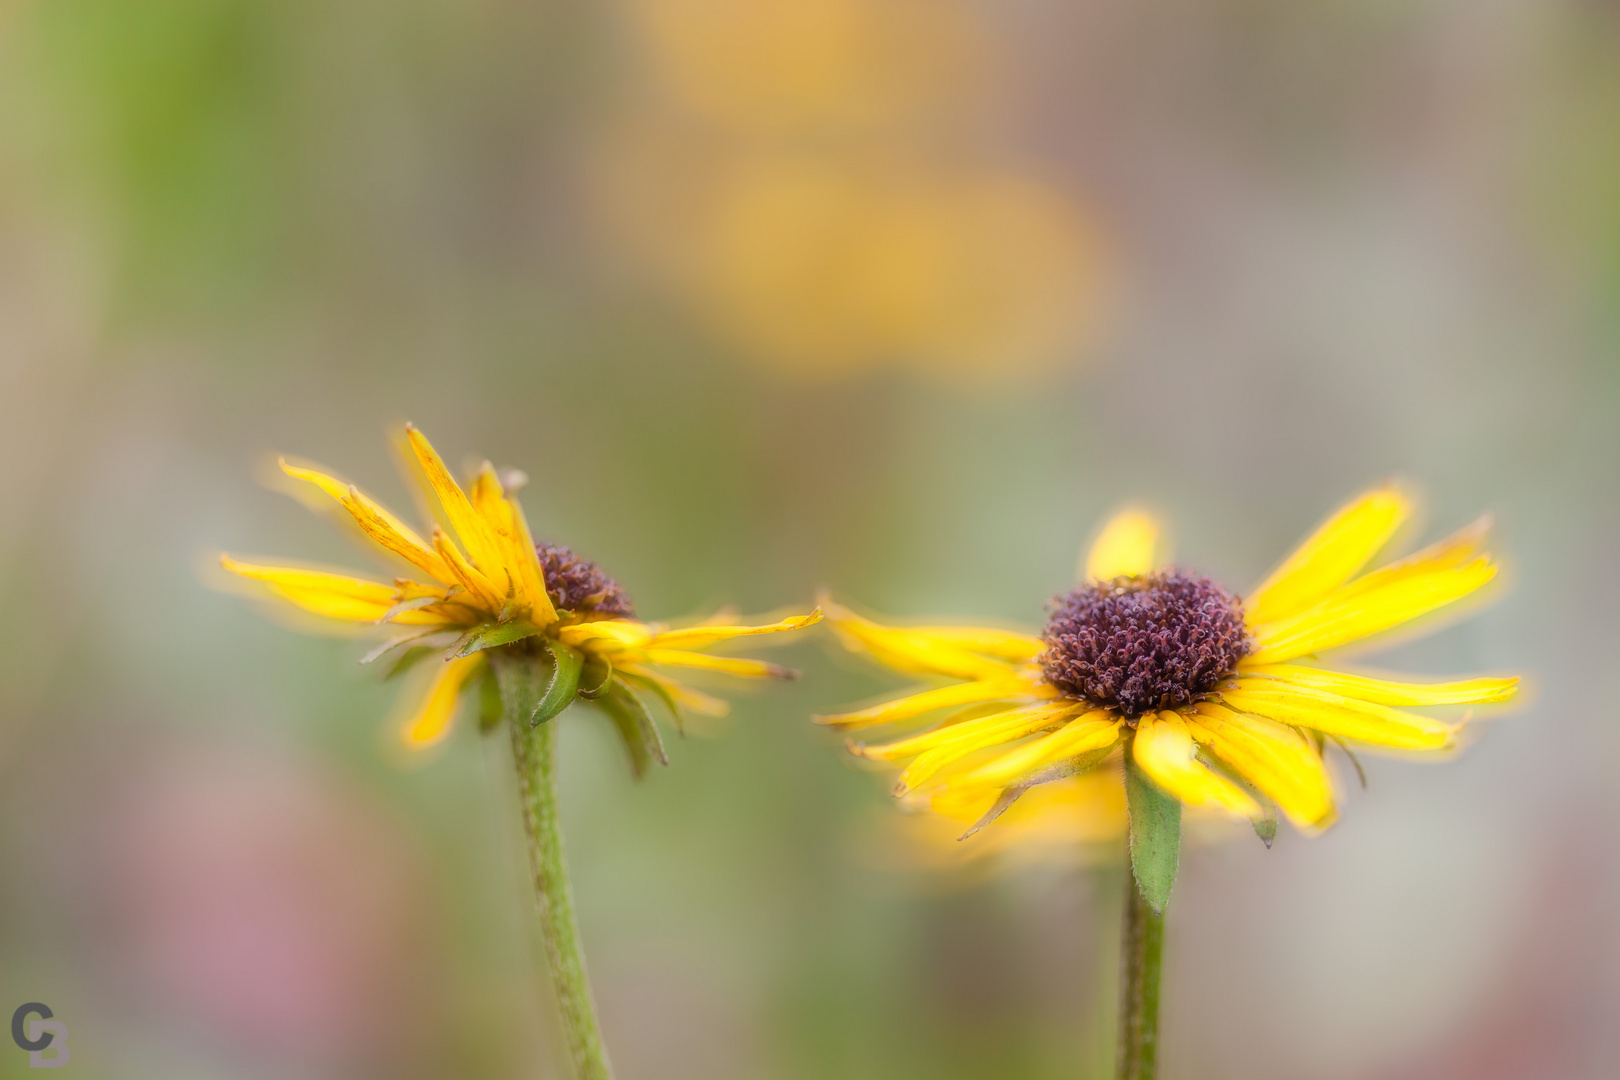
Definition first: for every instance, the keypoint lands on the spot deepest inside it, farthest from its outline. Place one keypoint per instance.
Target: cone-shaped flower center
(1141, 643)
(578, 585)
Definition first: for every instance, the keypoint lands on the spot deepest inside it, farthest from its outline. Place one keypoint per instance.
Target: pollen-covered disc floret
(1146, 642)
(579, 586)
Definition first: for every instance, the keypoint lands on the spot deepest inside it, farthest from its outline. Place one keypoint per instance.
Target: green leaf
(566, 662)
(635, 726)
(490, 709)
(490, 635)
(1155, 835)
(594, 676)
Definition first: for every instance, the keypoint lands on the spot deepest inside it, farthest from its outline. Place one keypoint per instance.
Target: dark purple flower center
(578, 585)
(1142, 643)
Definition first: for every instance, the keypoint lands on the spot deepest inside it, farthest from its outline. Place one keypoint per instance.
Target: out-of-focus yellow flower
(797, 172)
(485, 586)
(1208, 695)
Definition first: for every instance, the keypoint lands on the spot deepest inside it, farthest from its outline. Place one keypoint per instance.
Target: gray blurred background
(891, 296)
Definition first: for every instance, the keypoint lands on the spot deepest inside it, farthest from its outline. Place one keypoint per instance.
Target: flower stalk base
(534, 752)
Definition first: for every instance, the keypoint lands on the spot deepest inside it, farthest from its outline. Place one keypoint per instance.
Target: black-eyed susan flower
(1208, 700)
(546, 626)
(1218, 700)
(491, 587)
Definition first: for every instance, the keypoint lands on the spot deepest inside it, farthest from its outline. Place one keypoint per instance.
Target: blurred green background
(890, 296)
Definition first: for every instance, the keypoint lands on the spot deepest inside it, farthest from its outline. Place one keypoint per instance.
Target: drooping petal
(389, 532)
(731, 665)
(1166, 752)
(1480, 691)
(697, 637)
(431, 721)
(913, 650)
(1358, 611)
(1096, 729)
(517, 552)
(474, 532)
(943, 698)
(336, 596)
(1332, 714)
(1127, 545)
(1341, 546)
(1273, 757)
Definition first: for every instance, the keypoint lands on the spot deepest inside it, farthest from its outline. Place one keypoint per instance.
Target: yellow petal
(516, 550)
(387, 530)
(1385, 692)
(1332, 714)
(470, 526)
(1006, 644)
(480, 590)
(1127, 545)
(1356, 611)
(956, 741)
(945, 697)
(542, 612)
(1093, 730)
(731, 665)
(431, 722)
(1273, 757)
(1164, 749)
(1339, 548)
(336, 596)
(913, 651)
(697, 637)
(611, 633)
(1001, 725)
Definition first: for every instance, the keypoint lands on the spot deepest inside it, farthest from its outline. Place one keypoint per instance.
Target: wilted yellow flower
(491, 587)
(1207, 694)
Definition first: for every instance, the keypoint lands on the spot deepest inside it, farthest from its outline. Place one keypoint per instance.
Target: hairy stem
(534, 752)
(1141, 949)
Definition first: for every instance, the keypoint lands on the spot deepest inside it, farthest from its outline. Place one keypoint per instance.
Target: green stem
(534, 751)
(1141, 950)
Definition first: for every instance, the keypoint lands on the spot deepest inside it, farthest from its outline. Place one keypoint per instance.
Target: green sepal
(635, 726)
(1069, 767)
(566, 662)
(663, 695)
(1265, 826)
(413, 604)
(428, 636)
(1155, 835)
(490, 708)
(407, 660)
(490, 635)
(594, 676)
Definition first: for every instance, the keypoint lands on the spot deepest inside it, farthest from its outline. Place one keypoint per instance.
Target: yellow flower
(491, 587)
(1209, 695)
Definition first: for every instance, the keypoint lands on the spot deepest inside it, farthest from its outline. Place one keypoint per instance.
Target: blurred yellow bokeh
(809, 179)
